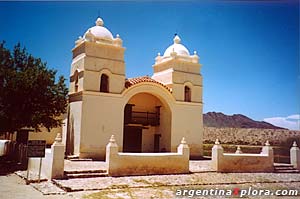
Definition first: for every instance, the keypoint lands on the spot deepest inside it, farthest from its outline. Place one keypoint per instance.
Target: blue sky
(249, 49)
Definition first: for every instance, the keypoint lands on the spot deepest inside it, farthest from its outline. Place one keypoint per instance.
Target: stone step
(287, 171)
(76, 158)
(283, 168)
(86, 175)
(282, 165)
(80, 159)
(85, 171)
(72, 157)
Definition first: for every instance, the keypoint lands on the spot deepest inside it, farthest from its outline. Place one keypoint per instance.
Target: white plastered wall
(102, 117)
(75, 124)
(187, 122)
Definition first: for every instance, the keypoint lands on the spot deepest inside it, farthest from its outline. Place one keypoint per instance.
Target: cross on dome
(98, 31)
(176, 39)
(99, 22)
(177, 47)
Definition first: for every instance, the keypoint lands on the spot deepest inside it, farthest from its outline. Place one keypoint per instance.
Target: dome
(177, 47)
(99, 31)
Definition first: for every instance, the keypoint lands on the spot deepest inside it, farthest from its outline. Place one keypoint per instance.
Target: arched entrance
(147, 124)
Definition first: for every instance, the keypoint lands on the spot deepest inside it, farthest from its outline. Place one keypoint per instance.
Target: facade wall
(75, 128)
(187, 122)
(95, 116)
(102, 116)
(115, 71)
(100, 63)
(165, 128)
(93, 79)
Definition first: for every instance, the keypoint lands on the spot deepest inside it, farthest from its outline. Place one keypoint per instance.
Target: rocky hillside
(220, 120)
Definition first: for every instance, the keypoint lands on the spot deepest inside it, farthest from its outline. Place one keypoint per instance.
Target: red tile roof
(136, 80)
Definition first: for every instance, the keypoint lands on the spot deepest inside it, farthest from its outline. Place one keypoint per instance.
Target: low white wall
(4, 147)
(52, 163)
(34, 164)
(239, 162)
(124, 164)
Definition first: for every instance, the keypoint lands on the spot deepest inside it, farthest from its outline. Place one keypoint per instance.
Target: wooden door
(132, 140)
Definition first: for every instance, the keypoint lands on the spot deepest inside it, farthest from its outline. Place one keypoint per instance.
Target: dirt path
(154, 187)
(13, 187)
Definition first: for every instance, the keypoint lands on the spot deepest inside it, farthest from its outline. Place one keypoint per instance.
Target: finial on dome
(158, 54)
(195, 52)
(118, 36)
(99, 22)
(177, 39)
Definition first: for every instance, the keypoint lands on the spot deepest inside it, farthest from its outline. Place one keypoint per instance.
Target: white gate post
(58, 158)
(217, 154)
(295, 155)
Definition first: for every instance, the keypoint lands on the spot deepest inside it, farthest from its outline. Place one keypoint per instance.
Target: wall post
(268, 150)
(111, 155)
(295, 156)
(217, 154)
(184, 149)
(58, 157)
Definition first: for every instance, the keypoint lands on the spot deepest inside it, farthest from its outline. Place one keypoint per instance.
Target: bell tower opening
(104, 83)
(187, 94)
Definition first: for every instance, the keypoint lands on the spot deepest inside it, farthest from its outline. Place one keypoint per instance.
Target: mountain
(220, 120)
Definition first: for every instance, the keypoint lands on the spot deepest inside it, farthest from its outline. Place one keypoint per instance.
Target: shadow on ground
(8, 166)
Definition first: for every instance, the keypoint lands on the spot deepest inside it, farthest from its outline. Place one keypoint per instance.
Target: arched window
(104, 83)
(76, 81)
(187, 94)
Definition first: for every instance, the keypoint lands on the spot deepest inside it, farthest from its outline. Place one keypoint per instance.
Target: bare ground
(148, 187)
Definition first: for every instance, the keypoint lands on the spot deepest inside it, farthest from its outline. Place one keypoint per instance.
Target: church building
(145, 114)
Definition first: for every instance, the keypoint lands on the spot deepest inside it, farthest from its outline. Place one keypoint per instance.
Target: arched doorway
(147, 124)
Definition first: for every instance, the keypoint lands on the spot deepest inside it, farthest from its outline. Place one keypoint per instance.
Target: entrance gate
(132, 141)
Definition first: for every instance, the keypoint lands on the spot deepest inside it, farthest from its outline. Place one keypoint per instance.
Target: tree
(29, 95)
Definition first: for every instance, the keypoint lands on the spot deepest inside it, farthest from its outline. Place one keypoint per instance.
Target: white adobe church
(146, 114)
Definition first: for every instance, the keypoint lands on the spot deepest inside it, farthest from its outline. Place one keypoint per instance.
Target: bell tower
(98, 62)
(180, 71)
(97, 76)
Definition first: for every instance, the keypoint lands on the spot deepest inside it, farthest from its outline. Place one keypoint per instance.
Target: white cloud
(291, 122)
(294, 117)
